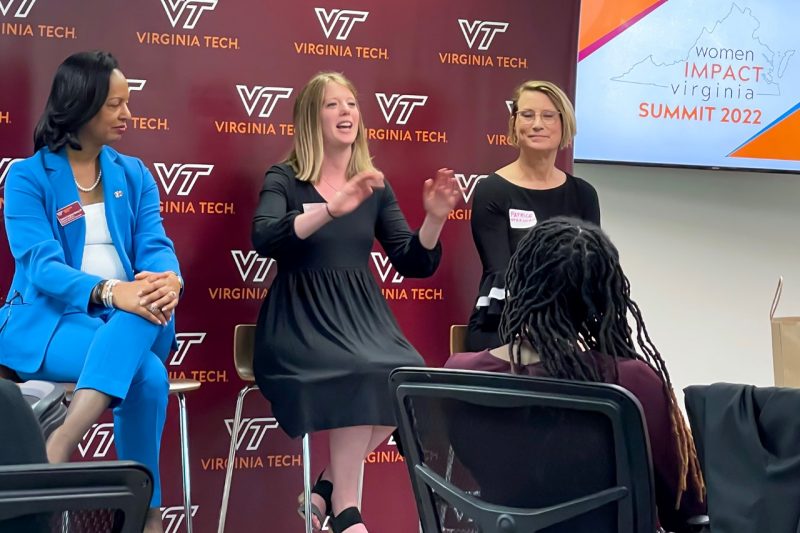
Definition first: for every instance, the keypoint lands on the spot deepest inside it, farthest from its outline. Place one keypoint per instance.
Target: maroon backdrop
(213, 84)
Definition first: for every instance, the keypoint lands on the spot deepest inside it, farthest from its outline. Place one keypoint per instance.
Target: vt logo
(270, 95)
(186, 173)
(185, 342)
(192, 9)
(5, 165)
(403, 104)
(484, 29)
(23, 7)
(136, 85)
(173, 517)
(467, 184)
(97, 440)
(345, 19)
(255, 428)
(384, 268)
(251, 267)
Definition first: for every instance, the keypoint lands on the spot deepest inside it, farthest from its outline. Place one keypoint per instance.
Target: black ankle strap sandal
(324, 489)
(347, 518)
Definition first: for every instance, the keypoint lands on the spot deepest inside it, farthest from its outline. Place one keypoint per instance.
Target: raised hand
(440, 194)
(356, 190)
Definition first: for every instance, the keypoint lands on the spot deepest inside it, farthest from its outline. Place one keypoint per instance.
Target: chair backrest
(244, 340)
(47, 402)
(519, 454)
(37, 494)
(754, 484)
(458, 338)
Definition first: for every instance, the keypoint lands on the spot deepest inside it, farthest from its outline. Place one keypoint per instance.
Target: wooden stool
(243, 345)
(458, 338)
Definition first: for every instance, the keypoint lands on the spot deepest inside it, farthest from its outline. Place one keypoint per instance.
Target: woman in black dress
(529, 190)
(326, 339)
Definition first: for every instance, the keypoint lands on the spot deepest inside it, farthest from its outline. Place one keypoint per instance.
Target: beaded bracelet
(108, 293)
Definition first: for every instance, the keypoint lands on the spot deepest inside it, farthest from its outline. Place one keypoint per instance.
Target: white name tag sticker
(308, 208)
(521, 219)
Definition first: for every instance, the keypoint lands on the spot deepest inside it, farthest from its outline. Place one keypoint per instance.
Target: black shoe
(347, 518)
(323, 488)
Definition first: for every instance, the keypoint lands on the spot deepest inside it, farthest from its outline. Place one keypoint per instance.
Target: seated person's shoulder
(642, 381)
(483, 361)
(637, 370)
(26, 169)
(133, 167)
(281, 170)
(127, 161)
(280, 176)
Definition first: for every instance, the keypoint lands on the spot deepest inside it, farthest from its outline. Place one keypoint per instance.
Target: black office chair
(47, 400)
(37, 497)
(505, 453)
(115, 492)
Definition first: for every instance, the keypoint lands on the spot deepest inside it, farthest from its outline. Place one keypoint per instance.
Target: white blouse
(99, 255)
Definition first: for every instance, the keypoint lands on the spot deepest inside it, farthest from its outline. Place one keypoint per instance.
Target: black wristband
(328, 209)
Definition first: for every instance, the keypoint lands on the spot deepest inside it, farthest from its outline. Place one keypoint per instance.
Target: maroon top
(638, 378)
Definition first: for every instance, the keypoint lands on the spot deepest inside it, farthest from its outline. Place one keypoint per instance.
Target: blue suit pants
(115, 355)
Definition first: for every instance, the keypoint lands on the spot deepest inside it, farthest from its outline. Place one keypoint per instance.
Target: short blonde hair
(560, 100)
(306, 155)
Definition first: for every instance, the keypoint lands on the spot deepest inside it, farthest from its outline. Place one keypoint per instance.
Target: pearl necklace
(94, 185)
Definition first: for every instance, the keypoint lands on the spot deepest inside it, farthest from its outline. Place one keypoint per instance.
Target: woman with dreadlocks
(566, 316)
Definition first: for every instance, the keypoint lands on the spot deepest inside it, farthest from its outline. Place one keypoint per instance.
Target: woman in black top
(522, 193)
(326, 340)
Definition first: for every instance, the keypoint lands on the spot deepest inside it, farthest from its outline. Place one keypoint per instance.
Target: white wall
(703, 250)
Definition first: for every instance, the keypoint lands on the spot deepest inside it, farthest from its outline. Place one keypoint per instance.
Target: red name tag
(69, 213)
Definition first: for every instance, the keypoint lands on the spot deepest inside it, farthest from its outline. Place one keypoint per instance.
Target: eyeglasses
(528, 117)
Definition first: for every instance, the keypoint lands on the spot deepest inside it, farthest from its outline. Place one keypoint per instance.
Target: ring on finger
(154, 309)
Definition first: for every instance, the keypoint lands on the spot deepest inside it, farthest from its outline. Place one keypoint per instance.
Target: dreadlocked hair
(566, 294)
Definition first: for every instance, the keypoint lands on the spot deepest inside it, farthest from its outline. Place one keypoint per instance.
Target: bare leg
(153, 523)
(379, 435)
(348, 447)
(86, 407)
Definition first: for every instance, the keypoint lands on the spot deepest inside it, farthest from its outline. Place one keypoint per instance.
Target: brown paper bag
(785, 344)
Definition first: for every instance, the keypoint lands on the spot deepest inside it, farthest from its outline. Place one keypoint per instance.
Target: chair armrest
(48, 488)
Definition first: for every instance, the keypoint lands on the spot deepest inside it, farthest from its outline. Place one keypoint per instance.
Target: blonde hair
(306, 155)
(560, 100)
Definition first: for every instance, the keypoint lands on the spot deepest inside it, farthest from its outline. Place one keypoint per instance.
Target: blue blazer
(47, 279)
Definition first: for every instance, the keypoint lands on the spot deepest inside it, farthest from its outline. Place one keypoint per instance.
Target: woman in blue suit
(96, 279)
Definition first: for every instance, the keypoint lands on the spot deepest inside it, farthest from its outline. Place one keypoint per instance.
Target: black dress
(502, 214)
(326, 340)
